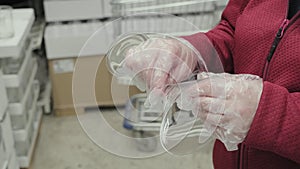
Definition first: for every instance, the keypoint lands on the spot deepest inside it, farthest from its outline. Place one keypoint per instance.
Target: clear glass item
(6, 22)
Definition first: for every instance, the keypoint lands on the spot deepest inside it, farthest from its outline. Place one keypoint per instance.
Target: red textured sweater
(243, 39)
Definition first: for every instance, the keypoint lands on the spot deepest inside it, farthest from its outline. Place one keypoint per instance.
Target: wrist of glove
(225, 103)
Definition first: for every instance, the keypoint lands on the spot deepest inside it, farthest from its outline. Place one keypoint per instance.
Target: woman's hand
(159, 61)
(226, 103)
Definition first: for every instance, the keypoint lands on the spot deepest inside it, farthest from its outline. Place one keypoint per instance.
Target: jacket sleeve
(222, 36)
(276, 125)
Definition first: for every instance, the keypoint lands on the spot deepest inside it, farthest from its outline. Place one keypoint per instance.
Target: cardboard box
(66, 72)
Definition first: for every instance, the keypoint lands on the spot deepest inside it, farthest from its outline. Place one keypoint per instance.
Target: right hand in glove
(161, 61)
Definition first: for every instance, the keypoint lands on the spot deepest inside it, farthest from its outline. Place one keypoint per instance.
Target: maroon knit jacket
(243, 39)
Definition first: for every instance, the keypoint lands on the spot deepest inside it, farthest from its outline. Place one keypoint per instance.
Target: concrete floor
(63, 145)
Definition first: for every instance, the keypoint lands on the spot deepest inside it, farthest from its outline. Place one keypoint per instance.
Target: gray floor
(63, 145)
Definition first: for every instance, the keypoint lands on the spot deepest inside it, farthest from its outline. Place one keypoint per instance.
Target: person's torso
(254, 35)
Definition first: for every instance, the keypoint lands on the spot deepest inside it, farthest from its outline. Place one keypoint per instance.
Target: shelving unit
(23, 114)
(7, 151)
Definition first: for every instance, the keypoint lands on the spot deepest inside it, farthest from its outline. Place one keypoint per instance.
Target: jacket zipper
(275, 43)
(241, 164)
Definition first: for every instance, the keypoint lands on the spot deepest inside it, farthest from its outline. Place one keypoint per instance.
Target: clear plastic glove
(225, 103)
(158, 62)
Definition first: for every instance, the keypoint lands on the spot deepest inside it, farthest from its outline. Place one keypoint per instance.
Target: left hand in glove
(225, 103)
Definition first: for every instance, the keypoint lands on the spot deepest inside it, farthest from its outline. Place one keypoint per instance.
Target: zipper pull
(282, 28)
(278, 36)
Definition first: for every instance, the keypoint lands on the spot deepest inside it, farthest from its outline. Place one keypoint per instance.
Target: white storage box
(18, 79)
(23, 20)
(107, 8)
(123, 8)
(66, 10)
(66, 40)
(16, 84)
(222, 3)
(12, 65)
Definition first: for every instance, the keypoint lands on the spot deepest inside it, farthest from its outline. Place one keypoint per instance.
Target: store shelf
(23, 135)
(23, 21)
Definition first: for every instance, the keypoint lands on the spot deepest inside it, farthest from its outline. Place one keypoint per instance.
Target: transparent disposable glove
(157, 63)
(225, 103)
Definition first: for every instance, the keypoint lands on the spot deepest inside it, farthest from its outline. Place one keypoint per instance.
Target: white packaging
(66, 10)
(210, 6)
(67, 40)
(107, 8)
(222, 3)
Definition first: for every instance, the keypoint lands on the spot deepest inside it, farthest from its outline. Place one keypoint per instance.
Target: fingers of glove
(212, 105)
(213, 111)
(151, 66)
(222, 85)
(155, 78)
(208, 87)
